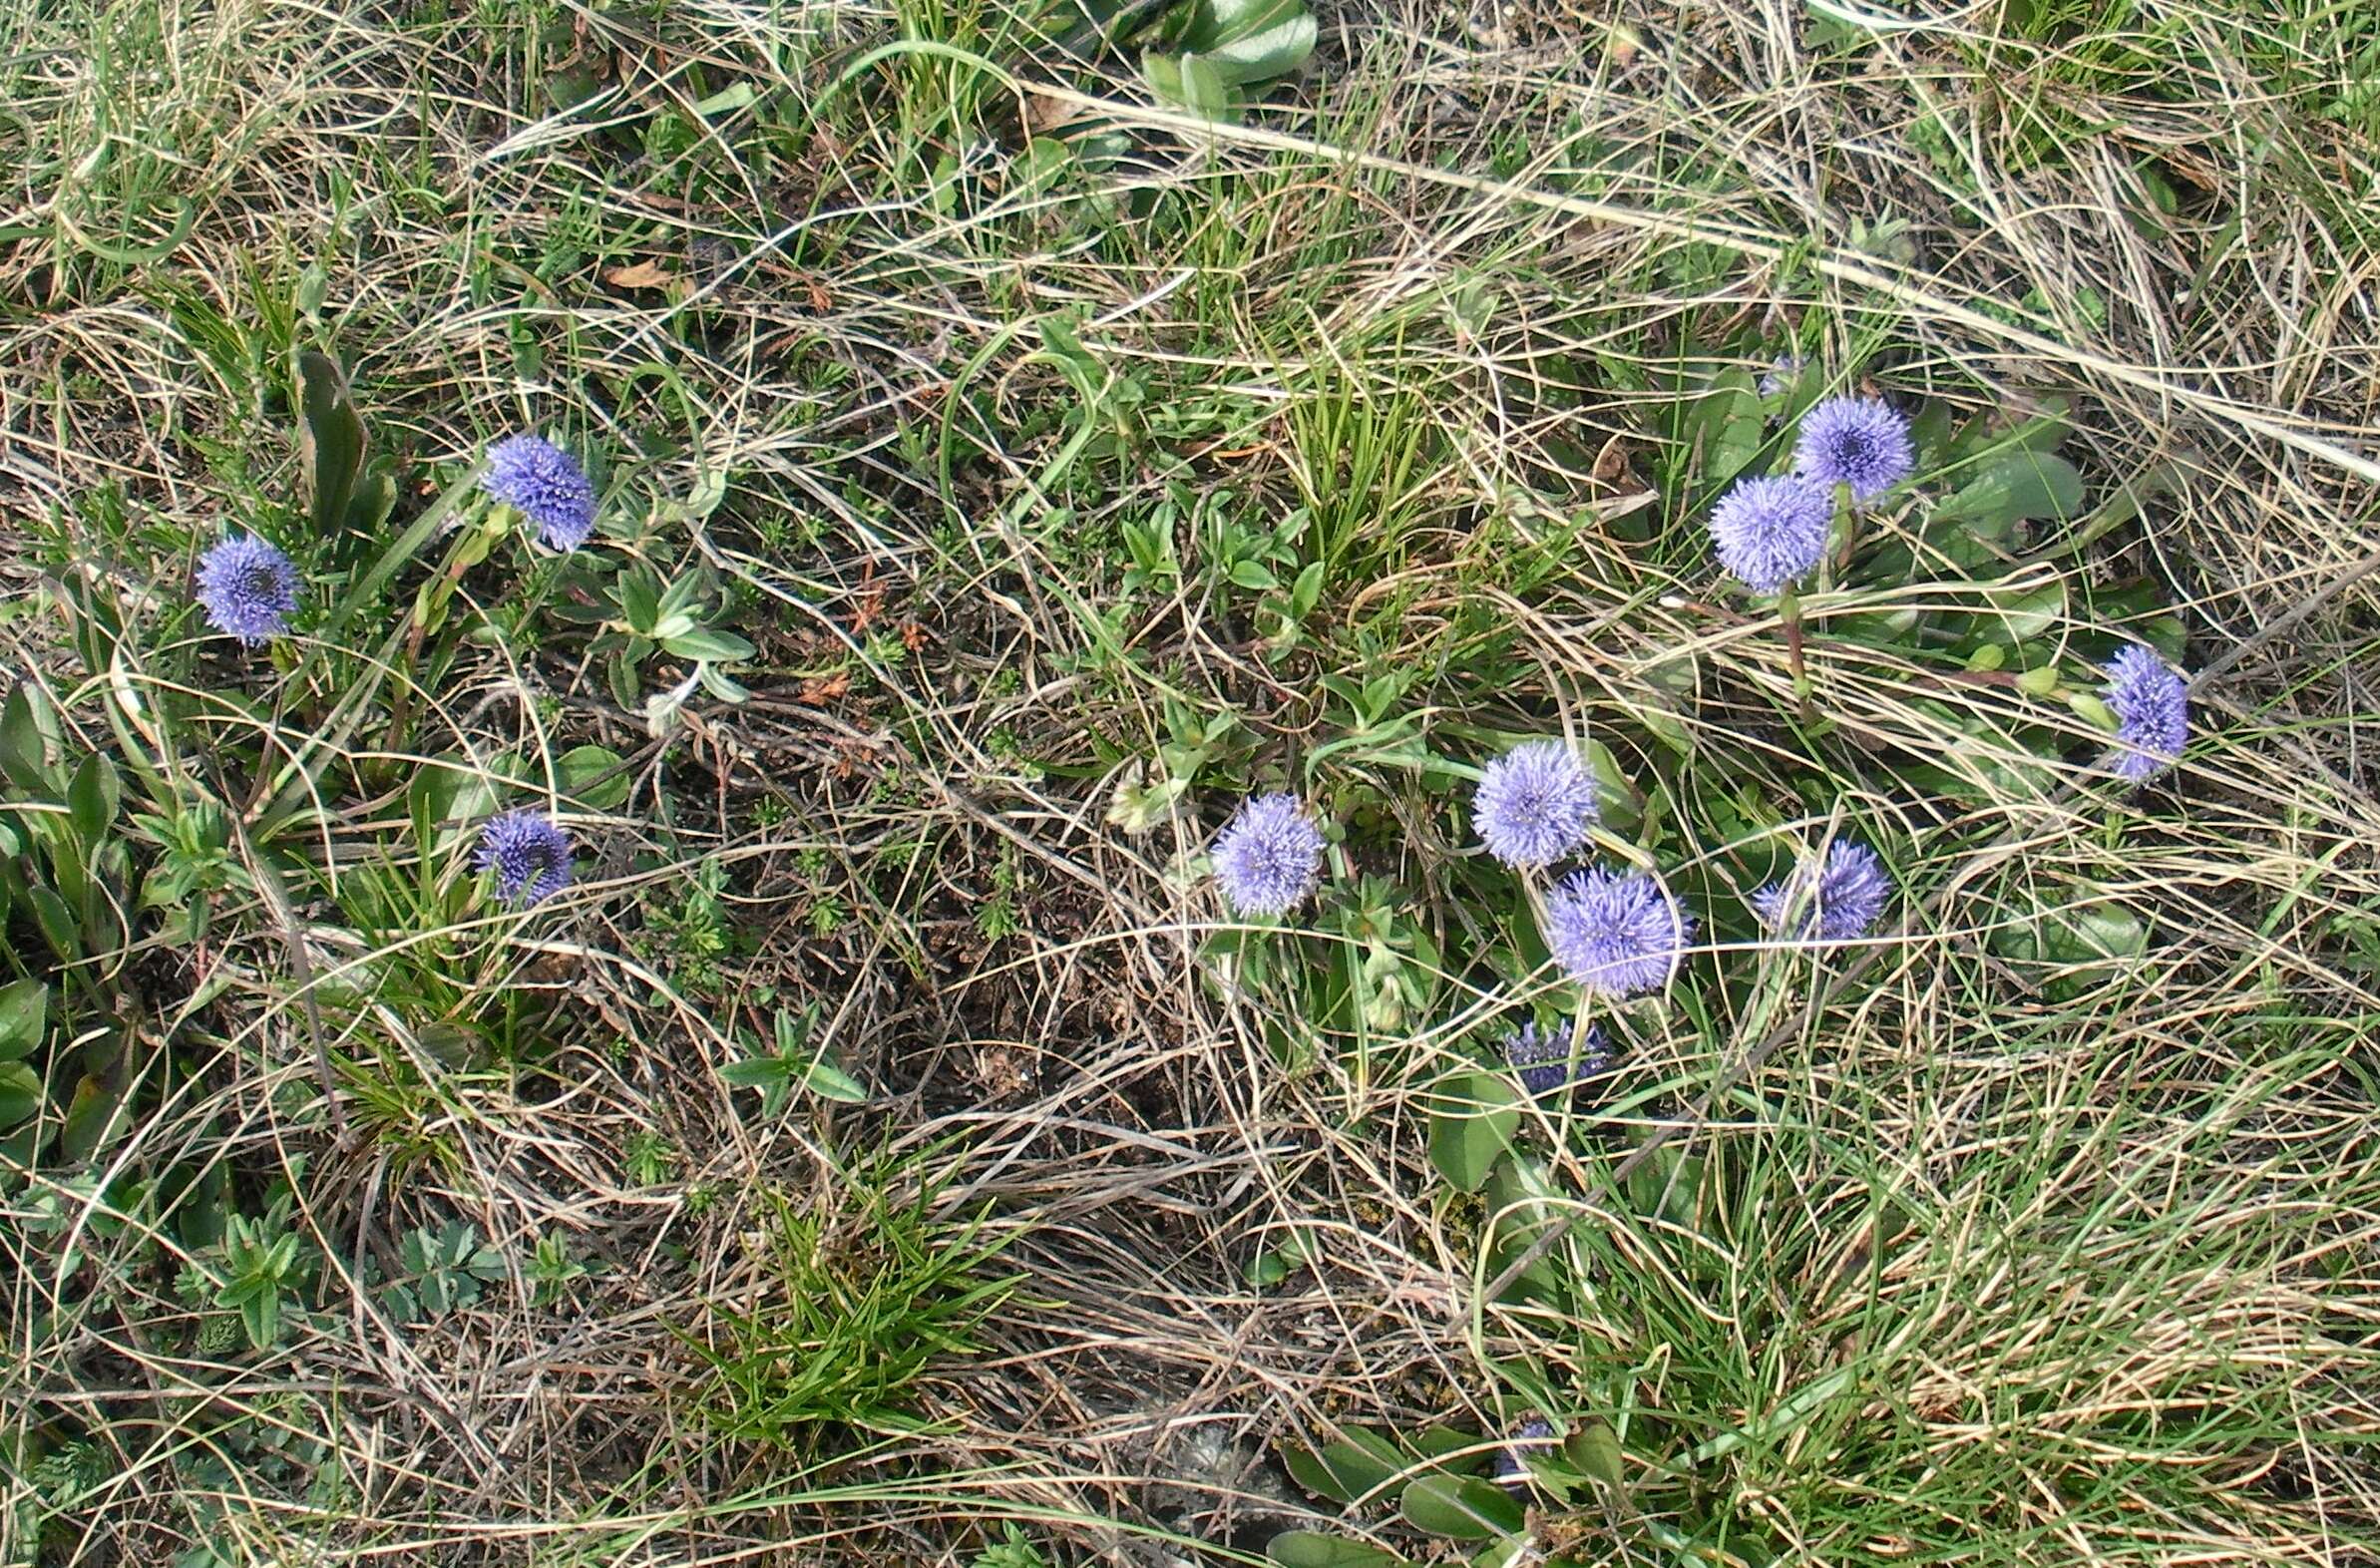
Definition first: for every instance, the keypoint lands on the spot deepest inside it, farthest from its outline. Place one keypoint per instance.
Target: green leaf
(23, 754)
(1982, 441)
(1621, 803)
(621, 675)
(2083, 935)
(1730, 425)
(755, 1072)
(1254, 575)
(639, 599)
(1213, 23)
(92, 797)
(1523, 1205)
(582, 766)
(1514, 1551)
(1342, 1471)
(94, 1118)
(23, 1010)
(1440, 1441)
(1204, 92)
(834, 1084)
(1274, 1264)
(1311, 1549)
(2028, 613)
(1461, 1507)
(723, 647)
(330, 439)
(56, 921)
(1305, 592)
(1471, 1128)
(1594, 1450)
(20, 1092)
(260, 1315)
(375, 500)
(718, 686)
(2013, 487)
(727, 99)
(1261, 56)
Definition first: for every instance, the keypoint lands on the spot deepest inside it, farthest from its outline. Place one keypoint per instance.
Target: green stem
(1789, 610)
(1844, 537)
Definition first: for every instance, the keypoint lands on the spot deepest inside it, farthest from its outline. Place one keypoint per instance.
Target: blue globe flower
(1268, 856)
(247, 587)
(546, 485)
(1856, 441)
(1770, 530)
(2151, 707)
(1616, 932)
(529, 854)
(1840, 902)
(1535, 804)
(1544, 1060)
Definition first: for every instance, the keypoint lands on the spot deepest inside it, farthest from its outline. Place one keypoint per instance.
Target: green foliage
(865, 1294)
(1472, 1124)
(553, 1270)
(690, 934)
(445, 1269)
(1363, 456)
(261, 1264)
(667, 618)
(793, 1061)
(1208, 50)
(1311, 1549)
(1015, 1549)
(346, 495)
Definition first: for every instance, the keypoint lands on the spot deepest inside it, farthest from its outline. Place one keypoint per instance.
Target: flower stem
(1789, 610)
(1846, 535)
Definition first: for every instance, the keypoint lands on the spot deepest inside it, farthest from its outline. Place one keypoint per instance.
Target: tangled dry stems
(1123, 1114)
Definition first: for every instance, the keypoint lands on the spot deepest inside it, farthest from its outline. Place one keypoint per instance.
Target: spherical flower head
(1616, 932)
(1772, 530)
(1268, 856)
(2151, 707)
(1856, 441)
(247, 587)
(1837, 901)
(1545, 1061)
(546, 485)
(1534, 804)
(1534, 1436)
(530, 854)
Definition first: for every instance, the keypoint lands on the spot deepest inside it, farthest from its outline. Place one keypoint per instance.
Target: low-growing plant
(866, 1291)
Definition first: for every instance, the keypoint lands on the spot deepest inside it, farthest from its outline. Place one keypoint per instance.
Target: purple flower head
(1535, 804)
(1840, 902)
(1855, 441)
(2151, 707)
(1267, 856)
(247, 587)
(1534, 1436)
(1544, 1060)
(546, 485)
(1772, 530)
(1617, 933)
(529, 854)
